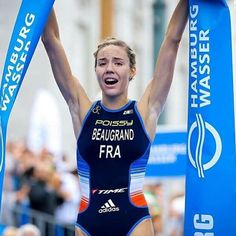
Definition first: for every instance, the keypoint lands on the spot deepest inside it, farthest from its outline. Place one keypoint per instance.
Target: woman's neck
(114, 102)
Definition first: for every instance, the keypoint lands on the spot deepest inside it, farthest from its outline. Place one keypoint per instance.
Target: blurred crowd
(23, 230)
(48, 184)
(41, 182)
(167, 211)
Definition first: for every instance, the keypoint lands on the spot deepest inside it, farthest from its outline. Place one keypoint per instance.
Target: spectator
(66, 213)
(177, 215)
(28, 230)
(10, 231)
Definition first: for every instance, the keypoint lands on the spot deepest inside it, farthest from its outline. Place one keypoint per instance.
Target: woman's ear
(132, 73)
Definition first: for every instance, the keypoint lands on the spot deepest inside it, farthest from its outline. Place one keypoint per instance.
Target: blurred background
(41, 183)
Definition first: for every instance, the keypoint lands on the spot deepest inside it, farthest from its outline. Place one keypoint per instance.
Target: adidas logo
(109, 206)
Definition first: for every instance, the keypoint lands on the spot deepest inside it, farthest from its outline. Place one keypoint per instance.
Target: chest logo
(96, 110)
(128, 112)
(114, 123)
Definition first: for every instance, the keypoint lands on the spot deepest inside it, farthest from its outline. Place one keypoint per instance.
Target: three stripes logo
(109, 206)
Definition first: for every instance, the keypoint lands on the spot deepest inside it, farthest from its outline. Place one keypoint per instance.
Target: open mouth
(110, 81)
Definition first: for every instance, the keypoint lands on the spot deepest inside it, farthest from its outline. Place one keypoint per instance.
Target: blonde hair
(117, 42)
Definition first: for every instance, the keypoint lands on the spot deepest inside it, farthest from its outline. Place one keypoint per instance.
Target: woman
(114, 135)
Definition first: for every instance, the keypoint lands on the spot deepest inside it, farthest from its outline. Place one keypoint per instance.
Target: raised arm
(69, 86)
(153, 100)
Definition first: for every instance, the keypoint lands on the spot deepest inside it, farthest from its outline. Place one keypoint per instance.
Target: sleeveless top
(112, 153)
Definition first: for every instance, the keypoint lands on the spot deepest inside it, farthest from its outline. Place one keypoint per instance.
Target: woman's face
(113, 70)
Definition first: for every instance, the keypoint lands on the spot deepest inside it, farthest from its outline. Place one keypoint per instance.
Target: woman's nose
(109, 67)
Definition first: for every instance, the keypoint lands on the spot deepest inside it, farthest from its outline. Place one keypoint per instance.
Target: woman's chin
(111, 92)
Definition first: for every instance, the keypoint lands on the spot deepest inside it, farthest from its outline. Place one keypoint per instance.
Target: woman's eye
(101, 63)
(118, 64)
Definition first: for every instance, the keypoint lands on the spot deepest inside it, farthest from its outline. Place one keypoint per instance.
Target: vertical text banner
(29, 24)
(211, 170)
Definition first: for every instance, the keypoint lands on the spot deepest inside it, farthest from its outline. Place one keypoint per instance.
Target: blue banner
(211, 171)
(28, 27)
(168, 155)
